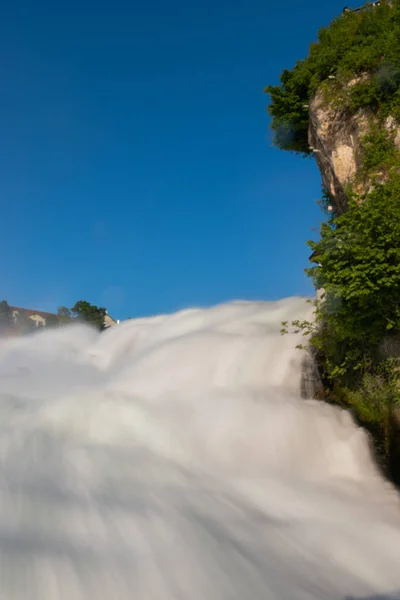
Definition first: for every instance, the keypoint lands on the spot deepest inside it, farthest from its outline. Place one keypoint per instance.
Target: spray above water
(173, 458)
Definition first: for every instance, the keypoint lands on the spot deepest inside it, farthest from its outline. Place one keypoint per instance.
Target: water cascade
(173, 458)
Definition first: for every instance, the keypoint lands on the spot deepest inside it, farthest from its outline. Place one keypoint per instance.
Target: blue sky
(136, 166)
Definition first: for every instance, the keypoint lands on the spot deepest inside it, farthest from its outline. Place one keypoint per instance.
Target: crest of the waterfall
(174, 458)
(231, 346)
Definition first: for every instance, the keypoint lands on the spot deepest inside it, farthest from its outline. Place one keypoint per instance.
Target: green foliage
(365, 94)
(326, 203)
(289, 110)
(379, 152)
(359, 271)
(376, 404)
(354, 44)
(89, 313)
(355, 332)
(376, 398)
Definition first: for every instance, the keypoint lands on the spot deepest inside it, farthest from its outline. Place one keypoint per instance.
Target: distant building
(109, 321)
(40, 318)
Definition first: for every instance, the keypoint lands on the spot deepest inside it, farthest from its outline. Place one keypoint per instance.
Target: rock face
(310, 384)
(336, 138)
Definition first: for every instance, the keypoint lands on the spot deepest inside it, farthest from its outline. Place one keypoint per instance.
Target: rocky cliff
(337, 139)
(342, 104)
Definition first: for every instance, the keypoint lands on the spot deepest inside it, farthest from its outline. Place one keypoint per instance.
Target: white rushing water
(173, 458)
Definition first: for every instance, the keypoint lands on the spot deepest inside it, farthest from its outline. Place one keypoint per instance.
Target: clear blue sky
(136, 166)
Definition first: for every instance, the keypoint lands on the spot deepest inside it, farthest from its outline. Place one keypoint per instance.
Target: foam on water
(173, 458)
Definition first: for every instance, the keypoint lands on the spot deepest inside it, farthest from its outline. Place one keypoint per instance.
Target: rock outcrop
(336, 137)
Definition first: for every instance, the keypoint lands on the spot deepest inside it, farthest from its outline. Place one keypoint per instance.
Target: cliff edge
(339, 140)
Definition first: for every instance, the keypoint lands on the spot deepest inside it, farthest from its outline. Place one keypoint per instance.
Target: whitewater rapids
(172, 458)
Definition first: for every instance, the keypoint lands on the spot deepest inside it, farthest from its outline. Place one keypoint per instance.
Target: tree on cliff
(359, 270)
(355, 334)
(354, 44)
(94, 315)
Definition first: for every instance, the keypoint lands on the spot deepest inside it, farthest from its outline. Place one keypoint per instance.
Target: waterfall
(174, 458)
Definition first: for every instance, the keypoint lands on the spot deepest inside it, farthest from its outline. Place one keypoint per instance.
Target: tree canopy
(358, 268)
(89, 313)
